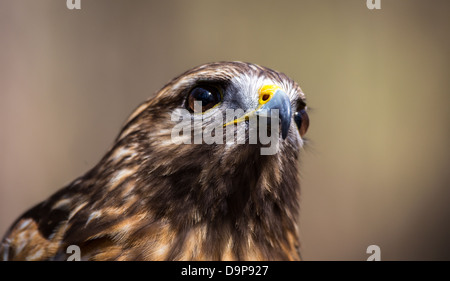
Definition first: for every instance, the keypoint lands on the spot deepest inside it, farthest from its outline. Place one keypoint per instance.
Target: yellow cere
(266, 93)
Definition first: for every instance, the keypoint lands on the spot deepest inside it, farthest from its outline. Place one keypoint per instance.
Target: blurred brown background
(376, 170)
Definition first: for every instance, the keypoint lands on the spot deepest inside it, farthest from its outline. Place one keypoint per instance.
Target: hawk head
(188, 178)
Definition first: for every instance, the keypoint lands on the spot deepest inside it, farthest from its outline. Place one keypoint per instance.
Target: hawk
(156, 197)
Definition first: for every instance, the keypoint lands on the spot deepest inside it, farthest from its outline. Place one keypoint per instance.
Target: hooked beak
(271, 97)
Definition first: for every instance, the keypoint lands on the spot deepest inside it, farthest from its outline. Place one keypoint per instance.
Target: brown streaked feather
(148, 199)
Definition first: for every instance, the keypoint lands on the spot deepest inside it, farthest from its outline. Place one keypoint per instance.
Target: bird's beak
(271, 97)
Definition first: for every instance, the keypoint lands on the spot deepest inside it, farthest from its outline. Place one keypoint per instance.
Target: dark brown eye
(202, 98)
(302, 120)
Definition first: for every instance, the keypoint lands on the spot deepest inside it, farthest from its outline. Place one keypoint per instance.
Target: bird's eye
(302, 120)
(202, 98)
